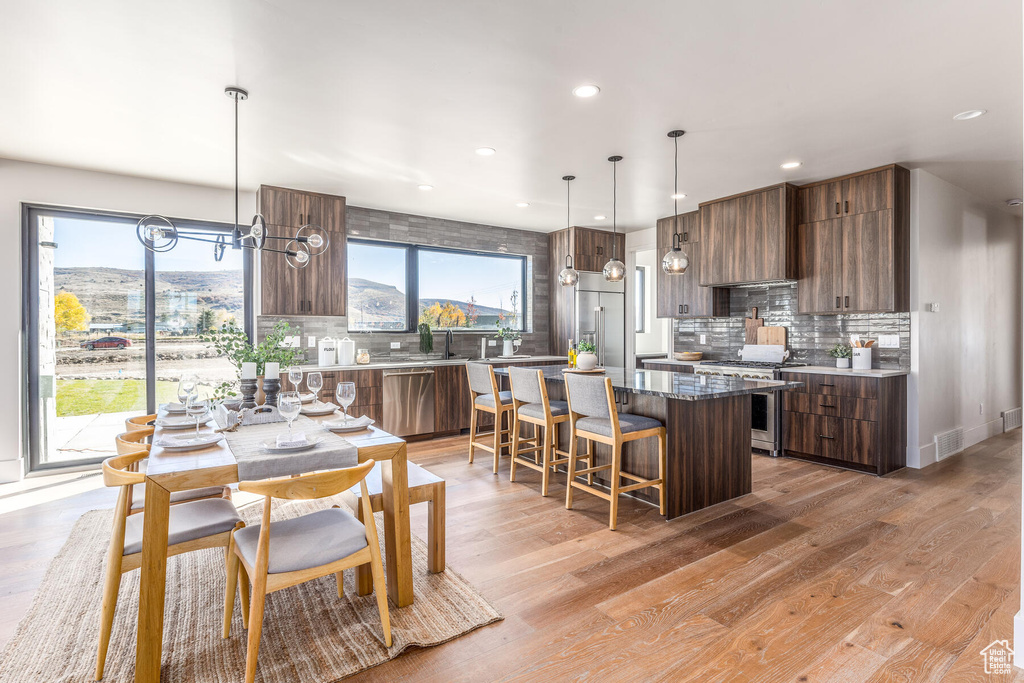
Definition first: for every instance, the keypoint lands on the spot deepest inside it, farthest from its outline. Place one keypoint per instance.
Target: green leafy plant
(840, 351)
(586, 347)
(426, 338)
(231, 341)
(507, 323)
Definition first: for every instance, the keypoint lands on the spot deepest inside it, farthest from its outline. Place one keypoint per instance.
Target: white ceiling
(370, 99)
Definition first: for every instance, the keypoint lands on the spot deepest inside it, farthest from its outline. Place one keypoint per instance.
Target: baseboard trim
(987, 430)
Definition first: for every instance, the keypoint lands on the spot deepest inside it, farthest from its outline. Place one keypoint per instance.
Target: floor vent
(949, 443)
(1011, 419)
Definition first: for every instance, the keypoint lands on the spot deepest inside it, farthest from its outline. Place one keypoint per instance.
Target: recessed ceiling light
(791, 164)
(678, 196)
(485, 151)
(522, 205)
(969, 114)
(425, 188)
(585, 90)
(1014, 202)
(599, 218)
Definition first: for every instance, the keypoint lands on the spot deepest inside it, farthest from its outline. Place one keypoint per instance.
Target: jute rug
(309, 633)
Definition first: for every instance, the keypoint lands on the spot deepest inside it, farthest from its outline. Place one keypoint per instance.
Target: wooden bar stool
(424, 487)
(483, 387)
(531, 405)
(593, 416)
(139, 422)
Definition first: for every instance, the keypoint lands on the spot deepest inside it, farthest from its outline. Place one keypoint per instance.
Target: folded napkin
(187, 440)
(317, 408)
(351, 423)
(296, 439)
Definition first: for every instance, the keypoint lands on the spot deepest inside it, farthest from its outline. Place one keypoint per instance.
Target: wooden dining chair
(135, 442)
(594, 417)
(194, 525)
(138, 422)
(485, 398)
(278, 555)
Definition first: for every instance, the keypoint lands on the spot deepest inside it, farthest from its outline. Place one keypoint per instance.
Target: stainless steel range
(766, 408)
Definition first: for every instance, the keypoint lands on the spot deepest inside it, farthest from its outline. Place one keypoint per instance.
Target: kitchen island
(707, 420)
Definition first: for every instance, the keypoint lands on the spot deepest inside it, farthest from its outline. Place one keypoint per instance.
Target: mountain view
(377, 306)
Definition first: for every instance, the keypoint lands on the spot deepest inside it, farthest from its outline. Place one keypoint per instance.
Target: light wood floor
(821, 574)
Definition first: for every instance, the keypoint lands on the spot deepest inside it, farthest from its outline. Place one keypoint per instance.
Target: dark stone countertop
(686, 387)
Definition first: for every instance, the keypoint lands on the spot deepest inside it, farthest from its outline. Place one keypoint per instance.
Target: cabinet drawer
(362, 378)
(859, 442)
(669, 367)
(813, 434)
(835, 406)
(835, 385)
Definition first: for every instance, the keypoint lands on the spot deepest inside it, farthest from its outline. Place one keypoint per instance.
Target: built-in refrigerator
(601, 316)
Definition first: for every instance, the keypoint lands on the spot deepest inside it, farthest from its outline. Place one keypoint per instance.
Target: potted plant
(230, 341)
(507, 332)
(842, 353)
(586, 357)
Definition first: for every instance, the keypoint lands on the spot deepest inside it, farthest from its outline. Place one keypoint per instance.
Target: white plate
(318, 409)
(355, 424)
(178, 408)
(180, 422)
(189, 443)
(274, 448)
(307, 398)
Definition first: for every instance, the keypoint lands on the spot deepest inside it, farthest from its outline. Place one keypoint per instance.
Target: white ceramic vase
(842, 362)
(586, 360)
(507, 348)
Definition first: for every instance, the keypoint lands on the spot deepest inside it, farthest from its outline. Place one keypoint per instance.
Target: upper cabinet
(681, 295)
(319, 288)
(853, 244)
(750, 237)
(594, 248)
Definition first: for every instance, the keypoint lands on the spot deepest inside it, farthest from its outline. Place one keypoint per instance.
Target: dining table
(216, 465)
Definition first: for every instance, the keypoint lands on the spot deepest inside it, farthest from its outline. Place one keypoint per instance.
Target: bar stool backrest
(481, 378)
(589, 396)
(527, 385)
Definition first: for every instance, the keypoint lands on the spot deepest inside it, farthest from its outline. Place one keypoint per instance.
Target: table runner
(255, 462)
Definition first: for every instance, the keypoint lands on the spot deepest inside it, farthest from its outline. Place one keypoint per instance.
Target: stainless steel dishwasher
(409, 401)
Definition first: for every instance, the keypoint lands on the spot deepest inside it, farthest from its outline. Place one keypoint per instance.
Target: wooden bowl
(688, 355)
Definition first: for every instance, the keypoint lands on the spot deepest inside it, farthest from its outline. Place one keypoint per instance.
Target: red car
(106, 343)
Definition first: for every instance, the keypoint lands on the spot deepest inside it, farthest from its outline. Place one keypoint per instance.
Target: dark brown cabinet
(369, 391)
(451, 398)
(669, 367)
(860, 261)
(319, 288)
(857, 422)
(863, 192)
(681, 295)
(594, 248)
(750, 237)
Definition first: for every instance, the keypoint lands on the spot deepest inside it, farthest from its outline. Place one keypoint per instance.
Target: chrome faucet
(448, 339)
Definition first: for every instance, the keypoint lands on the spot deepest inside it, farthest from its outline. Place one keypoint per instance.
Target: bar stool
(483, 387)
(531, 405)
(593, 416)
(139, 422)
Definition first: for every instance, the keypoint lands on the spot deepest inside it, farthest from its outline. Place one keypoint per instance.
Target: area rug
(309, 633)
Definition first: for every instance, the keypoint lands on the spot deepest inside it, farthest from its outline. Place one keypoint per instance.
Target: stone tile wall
(424, 230)
(810, 336)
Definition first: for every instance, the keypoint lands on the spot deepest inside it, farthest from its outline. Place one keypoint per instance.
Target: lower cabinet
(451, 399)
(369, 391)
(668, 367)
(856, 422)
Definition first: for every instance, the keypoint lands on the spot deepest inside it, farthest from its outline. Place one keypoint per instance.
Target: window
(110, 327)
(394, 287)
(640, 300)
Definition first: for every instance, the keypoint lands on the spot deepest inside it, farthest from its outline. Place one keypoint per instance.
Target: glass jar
(362, 356)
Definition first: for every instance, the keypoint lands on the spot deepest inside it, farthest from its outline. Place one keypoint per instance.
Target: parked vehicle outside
(106, 343)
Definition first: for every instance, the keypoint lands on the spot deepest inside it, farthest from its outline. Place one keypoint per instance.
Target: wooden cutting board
(771, 335)
(752, 324)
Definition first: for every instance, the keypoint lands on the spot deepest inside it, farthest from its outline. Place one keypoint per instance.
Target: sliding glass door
(110, 327)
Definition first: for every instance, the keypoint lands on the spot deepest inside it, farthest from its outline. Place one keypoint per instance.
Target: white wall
(966, 257)
(655, 338)
(37, 183)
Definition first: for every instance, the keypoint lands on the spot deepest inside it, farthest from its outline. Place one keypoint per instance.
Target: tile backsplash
(424, 230)
(810, 336)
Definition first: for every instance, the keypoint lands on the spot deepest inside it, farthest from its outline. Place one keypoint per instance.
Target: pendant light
(615, 269)
(676, 261)
(568, 277)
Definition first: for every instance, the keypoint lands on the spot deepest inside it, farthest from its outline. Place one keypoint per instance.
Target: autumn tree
(69, 314)
(471, 312)
(446, 315)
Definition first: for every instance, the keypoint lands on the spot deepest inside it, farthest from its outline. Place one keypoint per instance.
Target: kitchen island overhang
(707, 420)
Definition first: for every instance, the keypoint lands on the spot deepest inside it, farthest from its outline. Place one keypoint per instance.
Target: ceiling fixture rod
(675, 261)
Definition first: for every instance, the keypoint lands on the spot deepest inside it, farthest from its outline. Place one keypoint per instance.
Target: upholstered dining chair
(594, 417)
(279, 555)
(483, 390)
(194, 525)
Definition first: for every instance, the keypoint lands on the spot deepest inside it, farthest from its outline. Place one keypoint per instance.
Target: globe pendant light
(568, 277)
(615, 269)
(676, 261)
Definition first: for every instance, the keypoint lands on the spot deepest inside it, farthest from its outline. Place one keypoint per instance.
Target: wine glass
(289, 404)
(196, 408)
(346, 394)
(295, 376)
(186, 388)
(315, 382)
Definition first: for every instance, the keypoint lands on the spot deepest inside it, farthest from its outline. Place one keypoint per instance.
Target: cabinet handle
(822, 384)
(680, 309)
(686, 237)
(846, 206)
(837, 208)
(826, 437)
(686, 308)
(847, 301)
(827, 405)
(839, 303)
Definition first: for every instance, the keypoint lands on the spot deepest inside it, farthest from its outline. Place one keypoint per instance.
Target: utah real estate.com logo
(998, 657)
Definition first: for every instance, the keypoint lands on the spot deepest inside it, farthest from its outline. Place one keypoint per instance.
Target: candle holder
(271, 387)
(248, 388)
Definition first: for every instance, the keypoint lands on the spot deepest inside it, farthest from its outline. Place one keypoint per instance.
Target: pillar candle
(248, 371)
(272, 371)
